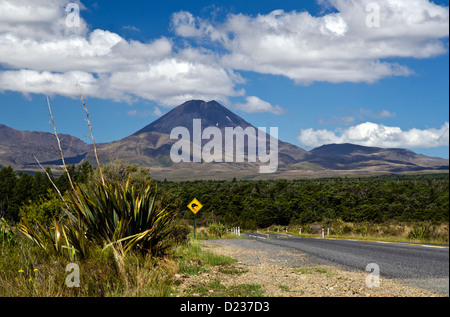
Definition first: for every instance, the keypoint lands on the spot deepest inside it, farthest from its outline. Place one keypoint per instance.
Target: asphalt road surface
(425, 266)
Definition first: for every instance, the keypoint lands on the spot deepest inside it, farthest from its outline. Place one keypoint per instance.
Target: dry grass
(27, 271)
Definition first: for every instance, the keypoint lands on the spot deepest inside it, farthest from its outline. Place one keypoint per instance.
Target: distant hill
(150, 147)
(18, 148)
(350, 156)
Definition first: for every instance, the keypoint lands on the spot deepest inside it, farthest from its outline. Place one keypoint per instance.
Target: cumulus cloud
(256, 105)
(159, 81)
(185, 24)
(31, 81)
(378, 135)
(100, 52)
(41, 54)
(336, 47)
(38, 19)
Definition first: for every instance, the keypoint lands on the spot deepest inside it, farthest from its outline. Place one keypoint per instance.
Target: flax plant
(122, 216)
(105, 213)
(60, 238)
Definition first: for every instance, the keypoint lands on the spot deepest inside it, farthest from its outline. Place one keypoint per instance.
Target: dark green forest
(19, 189)
(259, 204)
(249, 204)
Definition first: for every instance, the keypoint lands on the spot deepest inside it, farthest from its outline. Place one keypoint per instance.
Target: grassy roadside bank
(27, 271)
(415, 232)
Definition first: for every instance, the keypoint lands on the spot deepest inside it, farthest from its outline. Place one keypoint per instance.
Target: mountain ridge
(150, 147)
(19, 148)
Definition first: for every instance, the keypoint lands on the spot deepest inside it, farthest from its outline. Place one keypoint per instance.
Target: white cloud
(336, 47)
(101, 51)
(42, 55)
(38, 19)
(131, 28)
(378, 135)
(185, 24)
(361, 114)
(256, 105)
(380, 114)
(65, 84)
(345, 120)
(169, 82)
(145, 113)
(173, 81)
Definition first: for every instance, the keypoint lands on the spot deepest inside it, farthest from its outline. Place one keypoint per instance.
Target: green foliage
(59, 239)
(124, 214)
(19, 189)
(122, 172)
(243, 203)
(193, 259)
(260, 204)
(419, 233)
(44, 210)
(217, 229)
(106, 214)
(28, 270)
(112, 214)
(7, 235)
(180, 232)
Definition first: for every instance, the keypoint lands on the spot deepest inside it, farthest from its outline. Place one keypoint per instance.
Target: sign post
(195, 206)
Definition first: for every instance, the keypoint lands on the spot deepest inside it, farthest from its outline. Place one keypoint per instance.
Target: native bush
(115, 214)
(106, 214)
(217, 229)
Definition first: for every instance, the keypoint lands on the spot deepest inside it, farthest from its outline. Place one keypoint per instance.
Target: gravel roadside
(283, 273)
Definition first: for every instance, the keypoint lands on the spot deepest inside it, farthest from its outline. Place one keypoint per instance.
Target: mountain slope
(18, 148)
(150, 147)
(350, 156)
(212, 114)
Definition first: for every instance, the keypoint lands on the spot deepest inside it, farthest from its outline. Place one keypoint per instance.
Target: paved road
(414, 264)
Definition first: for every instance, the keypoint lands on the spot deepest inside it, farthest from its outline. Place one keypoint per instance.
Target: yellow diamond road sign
(195, 206)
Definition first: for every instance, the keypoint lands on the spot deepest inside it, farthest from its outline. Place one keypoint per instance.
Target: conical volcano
(151, 145)
(211, 113)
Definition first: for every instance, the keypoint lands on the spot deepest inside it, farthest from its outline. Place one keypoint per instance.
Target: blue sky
(370, 72)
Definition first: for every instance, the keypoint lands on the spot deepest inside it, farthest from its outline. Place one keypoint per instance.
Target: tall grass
(108, 215)
(26, 270)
